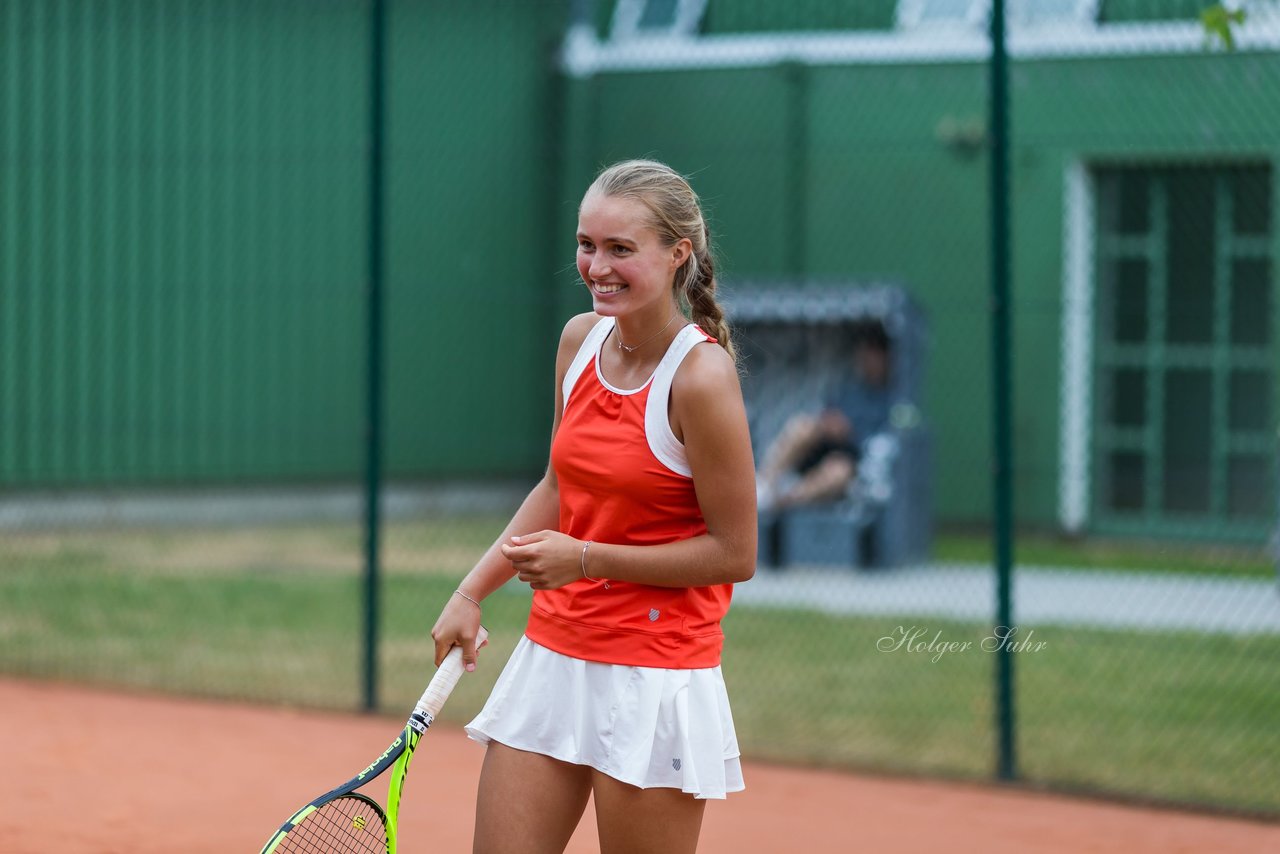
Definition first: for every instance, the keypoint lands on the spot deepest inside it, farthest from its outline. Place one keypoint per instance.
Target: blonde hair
(675, 214)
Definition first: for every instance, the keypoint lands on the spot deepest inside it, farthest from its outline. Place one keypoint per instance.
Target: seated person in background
(815, 457)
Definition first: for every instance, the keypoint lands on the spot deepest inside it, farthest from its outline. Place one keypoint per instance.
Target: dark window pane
(1128, 480)
(1129, 398)
(1187, 436)
(1189, 299)
(1250, 400)
(1124, 201)
(603, 14)
(733, 16)
(1249, 484)
(1116, 11)
(1133, 203)
(1130, 301)
(658, 13)
(1251, 302)
(1251, 192)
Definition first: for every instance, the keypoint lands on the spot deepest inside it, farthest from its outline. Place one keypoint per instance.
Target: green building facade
(183, 219)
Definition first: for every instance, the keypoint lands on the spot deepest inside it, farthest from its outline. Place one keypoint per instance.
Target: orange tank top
(624, 479)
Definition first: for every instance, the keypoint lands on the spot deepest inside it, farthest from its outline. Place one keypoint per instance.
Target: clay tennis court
(89, 770)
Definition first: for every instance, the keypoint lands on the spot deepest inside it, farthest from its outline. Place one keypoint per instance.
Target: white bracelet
(468, 598)
(586, 546)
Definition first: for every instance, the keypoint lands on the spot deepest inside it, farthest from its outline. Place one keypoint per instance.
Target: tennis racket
(343, 820)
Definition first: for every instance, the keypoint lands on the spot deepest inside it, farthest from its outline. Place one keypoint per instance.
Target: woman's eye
(584, 246)
(621, 250)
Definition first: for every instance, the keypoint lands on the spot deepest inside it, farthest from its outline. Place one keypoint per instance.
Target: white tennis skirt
(647, 726)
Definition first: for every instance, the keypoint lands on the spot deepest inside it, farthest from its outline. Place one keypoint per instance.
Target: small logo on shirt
(653, 614)
(675, 763)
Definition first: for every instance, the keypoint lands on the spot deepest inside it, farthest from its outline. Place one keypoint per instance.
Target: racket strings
(345, 824)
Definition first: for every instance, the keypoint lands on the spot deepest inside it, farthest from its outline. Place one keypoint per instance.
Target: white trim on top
(666, 448)
(589, 350)
(583, 54)
(1075, 419)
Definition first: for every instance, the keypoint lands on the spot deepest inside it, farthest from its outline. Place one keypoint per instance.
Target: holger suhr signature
(916, 639)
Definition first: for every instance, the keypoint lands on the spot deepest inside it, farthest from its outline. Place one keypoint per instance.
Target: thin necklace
(622, 346)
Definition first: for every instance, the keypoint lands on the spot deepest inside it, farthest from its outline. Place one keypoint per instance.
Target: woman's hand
(545, 560)
(458, 625)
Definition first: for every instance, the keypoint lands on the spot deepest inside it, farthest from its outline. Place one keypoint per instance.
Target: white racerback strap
(657, 426)
(588, 349)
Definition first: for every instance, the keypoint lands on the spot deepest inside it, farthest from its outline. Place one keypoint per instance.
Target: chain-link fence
(185, 296)
(1144, 246)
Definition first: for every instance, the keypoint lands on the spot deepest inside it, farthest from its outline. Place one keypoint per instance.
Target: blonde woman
(631, 542)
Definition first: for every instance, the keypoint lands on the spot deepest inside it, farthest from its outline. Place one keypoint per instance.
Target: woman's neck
(637, 338)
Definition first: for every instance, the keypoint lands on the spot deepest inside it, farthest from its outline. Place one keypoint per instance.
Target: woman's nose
(599, 268)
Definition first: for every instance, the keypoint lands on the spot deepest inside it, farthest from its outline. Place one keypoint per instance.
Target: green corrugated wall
(183, 209)
(473, 256)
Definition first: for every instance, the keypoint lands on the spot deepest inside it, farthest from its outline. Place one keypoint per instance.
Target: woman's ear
(681, 252)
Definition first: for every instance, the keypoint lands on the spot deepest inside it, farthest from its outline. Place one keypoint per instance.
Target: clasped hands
(545, 560)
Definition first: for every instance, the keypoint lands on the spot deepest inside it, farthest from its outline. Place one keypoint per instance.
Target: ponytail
(698, 289)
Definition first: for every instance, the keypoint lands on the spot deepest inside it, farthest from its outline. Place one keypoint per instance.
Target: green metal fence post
(553, 143)
(1006, 767)
(373, 414)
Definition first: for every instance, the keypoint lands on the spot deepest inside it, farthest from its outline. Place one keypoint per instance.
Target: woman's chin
(608, 304)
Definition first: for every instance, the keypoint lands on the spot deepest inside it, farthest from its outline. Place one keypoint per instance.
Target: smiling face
(622, 260)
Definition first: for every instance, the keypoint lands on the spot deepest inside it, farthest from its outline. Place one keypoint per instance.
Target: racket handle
(442, 683)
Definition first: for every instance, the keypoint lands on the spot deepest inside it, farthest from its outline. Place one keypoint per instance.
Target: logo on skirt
(675, 763)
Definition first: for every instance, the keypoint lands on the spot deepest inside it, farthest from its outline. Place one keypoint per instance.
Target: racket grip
(446, 678)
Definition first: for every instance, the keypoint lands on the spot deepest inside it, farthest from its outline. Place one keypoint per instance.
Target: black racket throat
(408, 740)
(405, 743)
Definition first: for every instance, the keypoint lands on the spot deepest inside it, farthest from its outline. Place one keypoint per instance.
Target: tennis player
(631, 542)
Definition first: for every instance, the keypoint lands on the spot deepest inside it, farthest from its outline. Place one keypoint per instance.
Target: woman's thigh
(645, 821)
(528, 803)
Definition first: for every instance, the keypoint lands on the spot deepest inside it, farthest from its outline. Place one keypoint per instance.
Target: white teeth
(607, 289)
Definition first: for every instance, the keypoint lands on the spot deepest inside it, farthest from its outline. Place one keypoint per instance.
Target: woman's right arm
(459, 621)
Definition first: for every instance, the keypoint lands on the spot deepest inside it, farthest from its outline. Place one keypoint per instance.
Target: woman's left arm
(707, 407)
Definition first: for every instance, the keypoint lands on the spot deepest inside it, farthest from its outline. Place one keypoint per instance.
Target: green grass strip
(1175, 716)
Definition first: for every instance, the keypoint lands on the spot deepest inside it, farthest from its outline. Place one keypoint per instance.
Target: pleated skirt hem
(644, 726)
